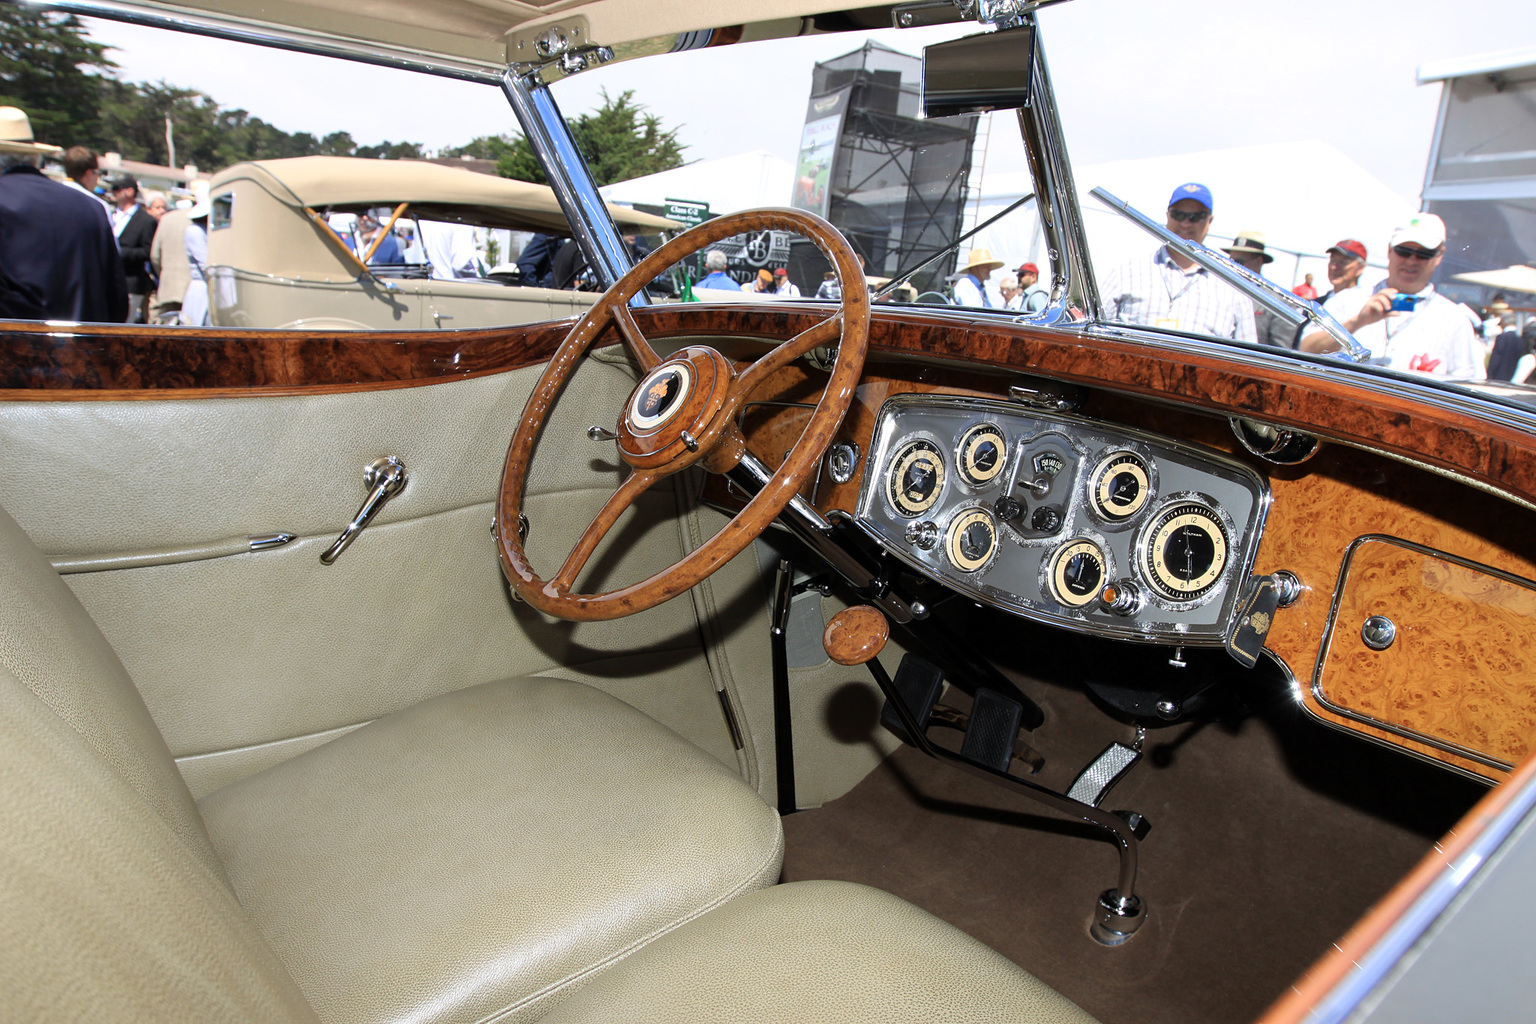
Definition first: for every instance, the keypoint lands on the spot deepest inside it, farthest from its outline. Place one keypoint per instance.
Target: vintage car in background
(744, 661)
(274, 261)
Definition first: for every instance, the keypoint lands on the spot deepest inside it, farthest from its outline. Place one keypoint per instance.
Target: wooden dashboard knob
(855, 635)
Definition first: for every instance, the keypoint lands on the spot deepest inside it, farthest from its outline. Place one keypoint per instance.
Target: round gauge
(981, 454)
(1120, 486)
(916, 477)
(1185, 550)
(1077, 573)
(971, 539)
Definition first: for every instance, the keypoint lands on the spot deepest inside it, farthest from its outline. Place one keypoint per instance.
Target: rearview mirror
(990, 71)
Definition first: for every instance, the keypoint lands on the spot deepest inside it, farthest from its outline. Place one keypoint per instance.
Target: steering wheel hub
(673, 415)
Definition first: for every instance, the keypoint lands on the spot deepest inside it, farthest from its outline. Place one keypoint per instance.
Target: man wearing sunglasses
(1167, 290)
(1405, 323)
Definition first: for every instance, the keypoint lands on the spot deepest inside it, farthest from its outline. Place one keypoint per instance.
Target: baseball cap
(1028, 268)
(780, 272)
(1192, 190)
(1348, 247)
(1423, 229)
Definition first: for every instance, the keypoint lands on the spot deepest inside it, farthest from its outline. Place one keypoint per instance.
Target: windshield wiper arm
(901, 278)
(1291, 308)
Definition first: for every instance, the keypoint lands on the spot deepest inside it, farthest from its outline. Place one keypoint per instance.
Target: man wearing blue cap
(1171, 291)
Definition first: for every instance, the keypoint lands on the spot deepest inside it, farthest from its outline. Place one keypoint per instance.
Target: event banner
(818, 150)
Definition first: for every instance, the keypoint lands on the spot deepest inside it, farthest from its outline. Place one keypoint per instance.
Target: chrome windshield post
(568, 175)
(1061, 220)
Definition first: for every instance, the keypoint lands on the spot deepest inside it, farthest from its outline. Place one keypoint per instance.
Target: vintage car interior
(750, 662)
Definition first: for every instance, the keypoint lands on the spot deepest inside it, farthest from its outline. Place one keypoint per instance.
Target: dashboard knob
(1046, 519)
(923, 535)
(1008, 507)
(1121, 597)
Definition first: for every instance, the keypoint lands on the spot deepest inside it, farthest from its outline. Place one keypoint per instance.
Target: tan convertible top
(434, 191)
(487, 35)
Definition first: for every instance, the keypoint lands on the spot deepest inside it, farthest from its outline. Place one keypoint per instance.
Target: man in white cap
(971, 282)
(1405, 323)
(1168, 290)
(58, 259)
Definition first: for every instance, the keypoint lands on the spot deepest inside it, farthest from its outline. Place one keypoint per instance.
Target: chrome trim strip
(1371, 969)
(1464, 403)
(260, 33)
(1322, 652)
(569, 176)
(1267, 294)
(1073, 289)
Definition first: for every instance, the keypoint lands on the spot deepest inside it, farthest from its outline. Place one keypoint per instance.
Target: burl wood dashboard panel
(1319, 510)
(1349, 491)
(1456, 668)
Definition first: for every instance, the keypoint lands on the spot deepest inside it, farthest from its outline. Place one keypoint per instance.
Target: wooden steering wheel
(682, 412)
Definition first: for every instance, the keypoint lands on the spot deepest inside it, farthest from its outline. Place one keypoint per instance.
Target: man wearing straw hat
(1169, 290)
(971, 282)
(57, 255)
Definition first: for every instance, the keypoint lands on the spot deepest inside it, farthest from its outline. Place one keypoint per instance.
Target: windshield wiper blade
(901, 278)
(1291, 308)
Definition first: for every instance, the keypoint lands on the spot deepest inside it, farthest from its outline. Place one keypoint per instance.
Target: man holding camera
(1406, 324)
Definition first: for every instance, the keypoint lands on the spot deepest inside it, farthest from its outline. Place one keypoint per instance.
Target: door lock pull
(384, 479)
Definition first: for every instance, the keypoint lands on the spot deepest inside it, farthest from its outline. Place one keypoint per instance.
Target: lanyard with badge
(1172, 322)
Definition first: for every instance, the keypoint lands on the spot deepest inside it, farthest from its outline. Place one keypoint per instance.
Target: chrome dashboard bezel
(1023, 426)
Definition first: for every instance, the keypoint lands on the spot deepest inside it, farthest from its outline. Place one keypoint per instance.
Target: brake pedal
(918, 683)
(1098, 778)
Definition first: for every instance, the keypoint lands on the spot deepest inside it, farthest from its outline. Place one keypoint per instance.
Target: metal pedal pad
(1107, 769)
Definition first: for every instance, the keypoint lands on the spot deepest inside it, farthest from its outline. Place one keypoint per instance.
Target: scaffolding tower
(898, 182)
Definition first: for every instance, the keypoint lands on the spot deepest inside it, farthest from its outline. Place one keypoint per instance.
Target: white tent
(1301, 196)
(741, 182)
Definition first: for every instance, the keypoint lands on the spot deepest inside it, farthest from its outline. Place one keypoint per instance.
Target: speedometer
(916, 477)
(1185, 550)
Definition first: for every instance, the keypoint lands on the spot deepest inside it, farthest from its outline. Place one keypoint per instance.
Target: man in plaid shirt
(1170, 291)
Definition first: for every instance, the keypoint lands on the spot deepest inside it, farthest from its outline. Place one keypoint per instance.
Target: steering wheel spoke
(681, 413)
(822, 333)
(638, 345)
(617, 504)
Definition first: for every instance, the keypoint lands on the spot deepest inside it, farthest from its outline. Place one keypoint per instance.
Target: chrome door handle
(385, 478)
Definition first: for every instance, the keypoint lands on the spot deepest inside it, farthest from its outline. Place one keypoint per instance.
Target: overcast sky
(1133, 78)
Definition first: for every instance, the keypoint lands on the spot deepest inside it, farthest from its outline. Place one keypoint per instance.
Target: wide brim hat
(16, 134)
(1250, 242)
(980, 259)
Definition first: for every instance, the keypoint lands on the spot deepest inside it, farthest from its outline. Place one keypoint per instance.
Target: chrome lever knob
(384, 479)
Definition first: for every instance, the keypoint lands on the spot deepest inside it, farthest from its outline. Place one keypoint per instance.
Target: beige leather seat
(481, 856)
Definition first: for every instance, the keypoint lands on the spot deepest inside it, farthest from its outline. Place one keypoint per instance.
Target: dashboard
(1097, 528)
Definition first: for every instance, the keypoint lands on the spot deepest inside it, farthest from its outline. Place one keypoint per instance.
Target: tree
(44, 62)
(618, 141)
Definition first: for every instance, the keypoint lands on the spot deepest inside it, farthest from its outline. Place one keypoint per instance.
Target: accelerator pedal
(1099, 777)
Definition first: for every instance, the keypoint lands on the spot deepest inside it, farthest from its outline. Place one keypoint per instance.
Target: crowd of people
(88, 249)
(1402, 321)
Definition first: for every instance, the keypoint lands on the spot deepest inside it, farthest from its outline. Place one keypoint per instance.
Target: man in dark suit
(55, 244)
(133, 243)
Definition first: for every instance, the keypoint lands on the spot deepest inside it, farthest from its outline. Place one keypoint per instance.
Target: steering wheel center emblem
(659, 396)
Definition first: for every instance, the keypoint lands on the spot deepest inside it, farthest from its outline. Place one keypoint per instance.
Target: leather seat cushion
(824, 951)
(472, 857)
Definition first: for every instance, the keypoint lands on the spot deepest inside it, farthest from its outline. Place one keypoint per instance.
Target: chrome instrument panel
(1065, 520)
